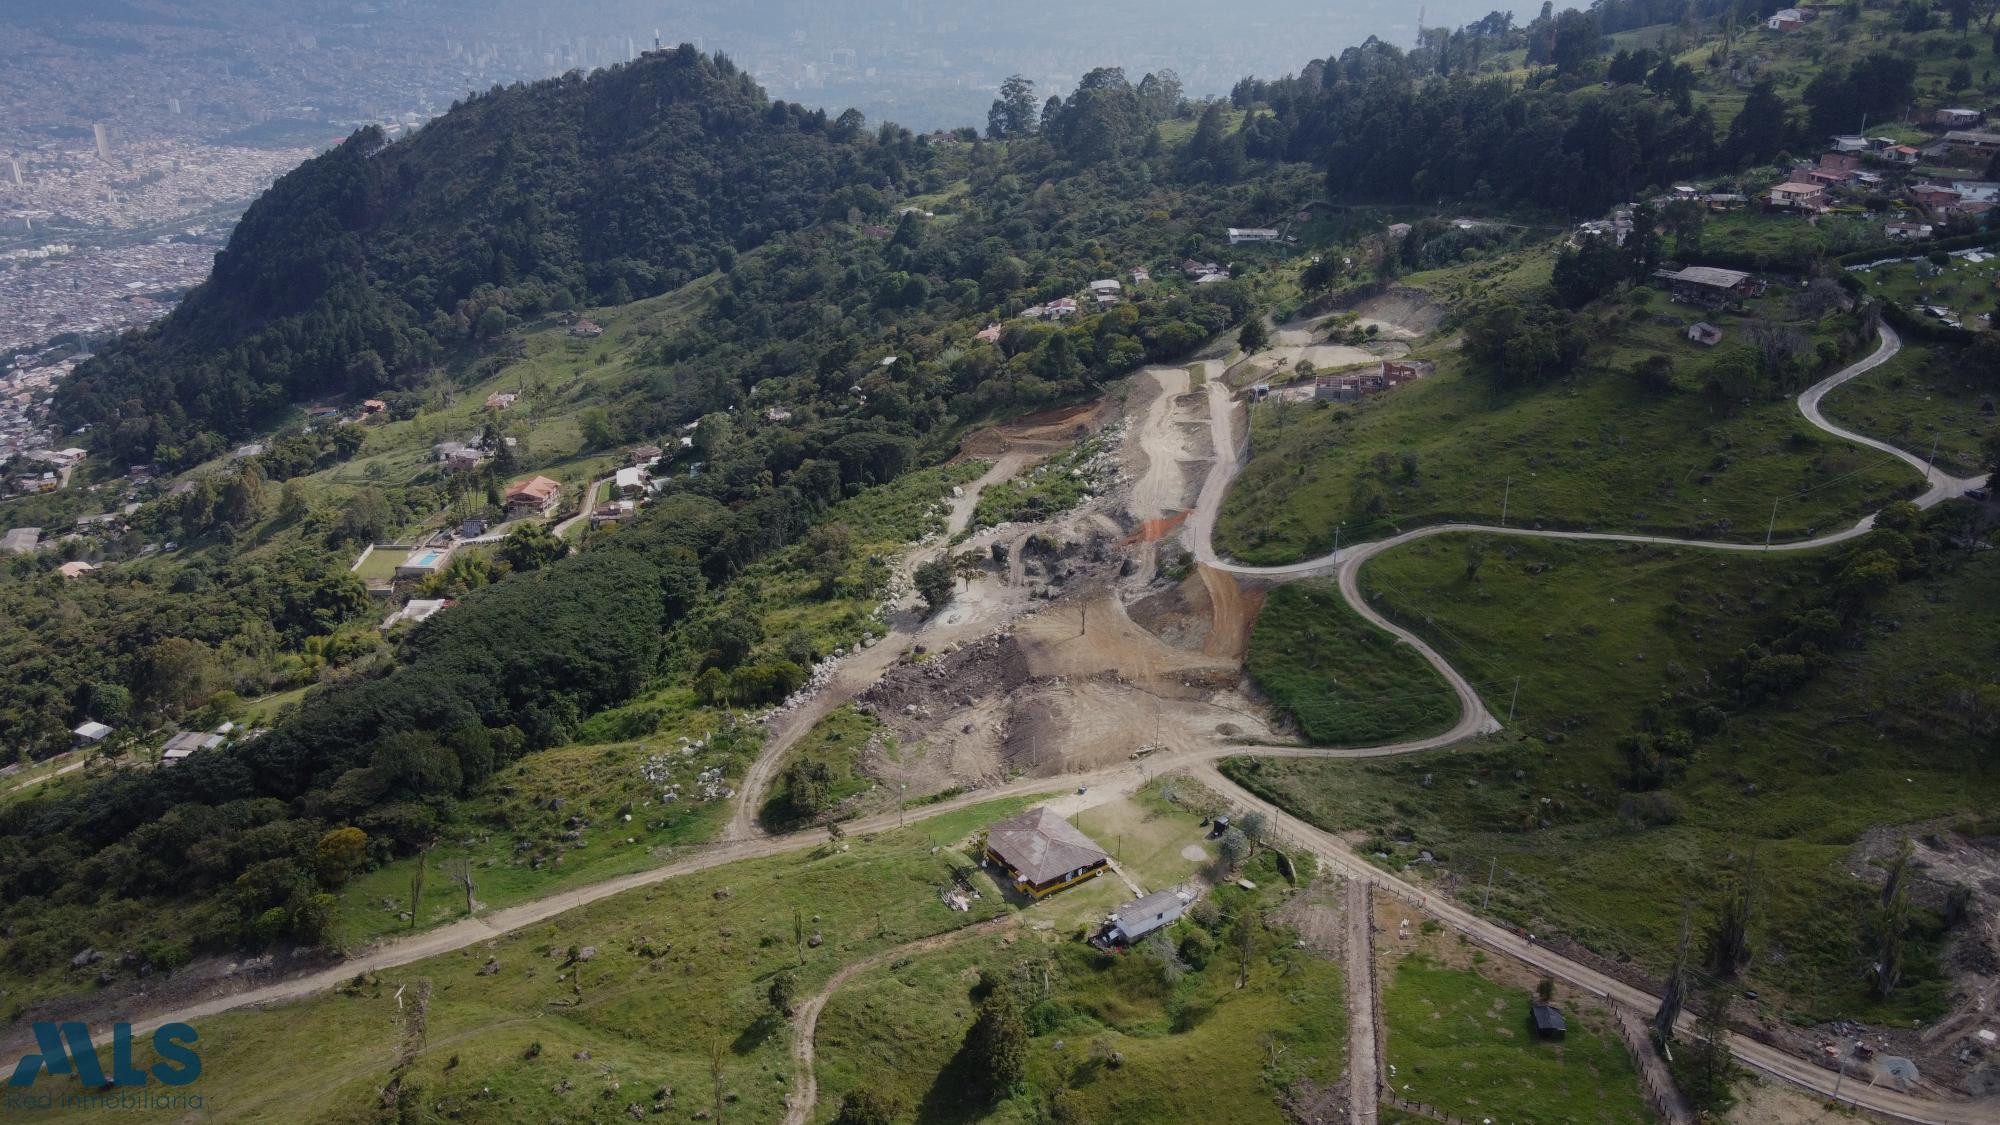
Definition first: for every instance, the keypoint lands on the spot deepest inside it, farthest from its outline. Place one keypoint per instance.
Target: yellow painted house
(1043, 853)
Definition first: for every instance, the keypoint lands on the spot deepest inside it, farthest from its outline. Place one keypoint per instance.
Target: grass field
(671, 996)
(381, 564)
(1149, 838)
(836, 742)
(1596, 452)
(1343, 681)
(1923, 398)
(1462, 1043)
(1965, 287)
(1189, 1045)
(1601, 636)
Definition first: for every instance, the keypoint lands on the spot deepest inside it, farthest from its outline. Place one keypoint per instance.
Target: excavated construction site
(1105, 646)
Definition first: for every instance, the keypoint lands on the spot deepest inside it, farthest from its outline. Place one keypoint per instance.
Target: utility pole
(1515, 699)
(1505, 496)
(1490, 865)
(1771, 528)
(1932, 459)
(1336, 537)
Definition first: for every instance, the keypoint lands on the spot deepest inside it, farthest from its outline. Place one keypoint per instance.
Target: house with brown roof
(1042, 853)
(1796, 195)
(536, 496)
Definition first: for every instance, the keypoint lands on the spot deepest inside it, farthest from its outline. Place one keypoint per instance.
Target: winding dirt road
(861, 668)
(744, 842)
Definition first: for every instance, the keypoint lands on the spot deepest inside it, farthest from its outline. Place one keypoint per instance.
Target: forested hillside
(828, 285)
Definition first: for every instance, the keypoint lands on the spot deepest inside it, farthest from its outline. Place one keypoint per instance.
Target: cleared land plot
(1343, 681)
(1609, 641)
(1189, 1044)
(1463, 1044)
(670, 999)
(1597, 453)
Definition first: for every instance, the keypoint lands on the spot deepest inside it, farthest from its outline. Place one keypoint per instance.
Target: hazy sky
(298, 69)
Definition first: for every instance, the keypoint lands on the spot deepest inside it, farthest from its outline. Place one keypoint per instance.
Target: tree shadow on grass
(760, 1031)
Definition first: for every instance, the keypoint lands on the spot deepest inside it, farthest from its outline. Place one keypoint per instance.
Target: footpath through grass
(1343, 681)
(658, 997)
(1606, 639)
(1148, 1035)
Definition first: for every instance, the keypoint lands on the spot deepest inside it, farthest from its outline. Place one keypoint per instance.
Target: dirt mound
(1178, 615)
(1403, 310)
(916, 693)
(1045, 431)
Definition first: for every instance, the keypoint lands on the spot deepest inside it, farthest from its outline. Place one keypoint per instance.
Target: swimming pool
(425, 558)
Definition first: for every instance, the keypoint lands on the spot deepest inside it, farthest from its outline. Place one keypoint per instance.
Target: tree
(967, 566)
(1709, 1072)
(1243, 937)
(867, 1106)
(999, 1040)
(1760, 128)
(1729, 940)
(783, 992)
(1253, 337)
(417, 883)
(1013, 112)
(934, 581)
(1892, 918)
(531, 546)
(339, 854)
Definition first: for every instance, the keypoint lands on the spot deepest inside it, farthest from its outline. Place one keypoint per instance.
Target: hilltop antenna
(656, 39)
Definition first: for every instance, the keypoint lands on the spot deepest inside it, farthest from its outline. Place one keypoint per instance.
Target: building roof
(1707, 275)
(21, 539)
(1790, 186)
(1548, 1017)
(92, 730)
(75, 569)
(632, 477)
(1040, 845)
(187, 742)
(1143, 914)
(537, 488)
(1971, 137)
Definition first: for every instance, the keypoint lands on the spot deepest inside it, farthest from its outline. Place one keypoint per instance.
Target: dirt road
(861, 668)
(805, 1021)
(1115, 781)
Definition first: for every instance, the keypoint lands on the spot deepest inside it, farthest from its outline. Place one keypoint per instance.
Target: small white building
(91, 733)
(1239, 235)
(1134, 920)
(181, 745)
(631, 483)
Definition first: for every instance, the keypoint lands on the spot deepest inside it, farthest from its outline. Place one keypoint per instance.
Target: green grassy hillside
(1611, 643)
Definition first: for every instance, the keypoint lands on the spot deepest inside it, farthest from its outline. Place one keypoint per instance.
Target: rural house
(1957, 117)
(91, 733)
(185, 743)
(1705, 334)
(1708, 285)
(1547, 1020)
(1239, 235)
(1134, 920)
(1796, 195)
(1043, 853)
(631, 483)
(536, 496)
(586, 328)
(1972, 142)
(501, 400)
(1785, 19)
